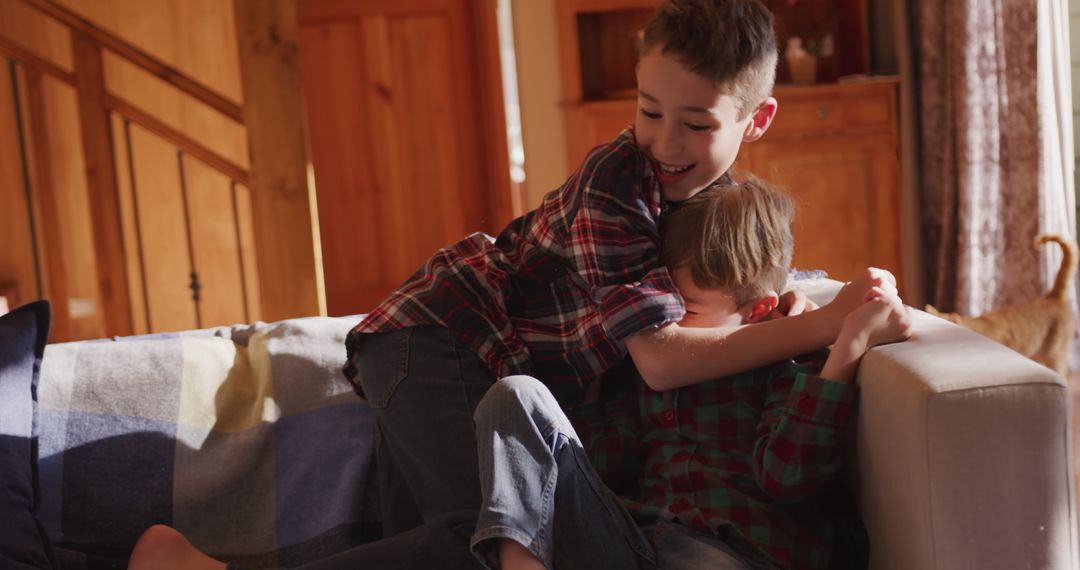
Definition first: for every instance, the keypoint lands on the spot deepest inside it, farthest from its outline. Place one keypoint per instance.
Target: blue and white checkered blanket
(246, 438)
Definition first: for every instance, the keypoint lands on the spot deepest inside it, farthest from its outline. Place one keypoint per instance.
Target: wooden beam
(171, 75)
(286, 229)
(101, 185)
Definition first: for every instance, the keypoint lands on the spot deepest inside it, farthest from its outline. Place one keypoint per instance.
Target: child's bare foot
(164, 548)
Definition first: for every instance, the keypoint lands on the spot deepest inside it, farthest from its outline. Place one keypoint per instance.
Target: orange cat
(1041, 329)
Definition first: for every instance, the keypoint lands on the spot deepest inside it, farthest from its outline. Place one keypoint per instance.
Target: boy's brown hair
(729, 42)
(734, 236)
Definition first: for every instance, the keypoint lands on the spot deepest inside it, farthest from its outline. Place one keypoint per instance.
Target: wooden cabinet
(834, 146)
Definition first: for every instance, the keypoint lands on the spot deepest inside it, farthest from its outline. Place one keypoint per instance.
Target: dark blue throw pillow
(23, 333)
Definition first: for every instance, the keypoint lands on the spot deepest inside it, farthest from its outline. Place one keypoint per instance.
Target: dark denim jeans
(424, 387)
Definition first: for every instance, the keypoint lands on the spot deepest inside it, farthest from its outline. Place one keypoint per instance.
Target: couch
(248, 440)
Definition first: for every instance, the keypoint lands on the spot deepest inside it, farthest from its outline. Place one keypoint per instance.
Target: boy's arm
(673, 356)
(800, 443)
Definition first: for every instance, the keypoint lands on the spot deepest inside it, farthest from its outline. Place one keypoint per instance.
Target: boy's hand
(880, 320)
(794, 302)
(858, 291)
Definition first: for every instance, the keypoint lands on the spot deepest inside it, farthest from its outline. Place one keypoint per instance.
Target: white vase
(803, 69)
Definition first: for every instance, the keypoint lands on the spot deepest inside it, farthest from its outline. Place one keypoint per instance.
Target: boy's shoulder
(617, 168)
(620, 156)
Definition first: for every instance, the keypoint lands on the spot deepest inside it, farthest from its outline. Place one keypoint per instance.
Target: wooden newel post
(286, 230)
(101, 186)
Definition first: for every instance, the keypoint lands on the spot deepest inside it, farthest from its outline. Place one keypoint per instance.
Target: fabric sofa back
(247, 439)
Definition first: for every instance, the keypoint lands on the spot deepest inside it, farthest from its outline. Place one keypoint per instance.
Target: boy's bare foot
(164, 548)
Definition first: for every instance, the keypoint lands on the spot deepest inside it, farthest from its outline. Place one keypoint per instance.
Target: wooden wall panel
(198, 37)
(221, 234)
(161, 216)
(246, 229)
(183, 113)
(40, 97)
(68, 171)
(407, 136)
(47, 199)
(132, 228)
(333, 62)
(216, 247)
(18, 260)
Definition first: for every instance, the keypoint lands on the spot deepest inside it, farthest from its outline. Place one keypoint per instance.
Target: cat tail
(1067, 271)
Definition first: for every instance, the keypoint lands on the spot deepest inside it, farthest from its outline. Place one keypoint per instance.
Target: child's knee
(516, 397)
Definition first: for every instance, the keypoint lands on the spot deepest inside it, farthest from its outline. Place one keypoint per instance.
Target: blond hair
(734, 236)
(729, 42)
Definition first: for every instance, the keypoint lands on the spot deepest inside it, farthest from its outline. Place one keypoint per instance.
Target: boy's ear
(761, 120)
(761, 309)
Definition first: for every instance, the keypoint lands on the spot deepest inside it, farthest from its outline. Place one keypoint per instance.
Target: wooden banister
(140, 58)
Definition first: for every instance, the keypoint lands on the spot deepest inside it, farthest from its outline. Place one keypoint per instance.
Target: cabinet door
(846, 191)
(594, 124)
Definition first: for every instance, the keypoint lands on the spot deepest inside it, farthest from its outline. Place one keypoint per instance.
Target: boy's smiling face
(690, 127)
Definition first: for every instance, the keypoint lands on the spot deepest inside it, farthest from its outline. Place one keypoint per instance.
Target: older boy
(731, 473)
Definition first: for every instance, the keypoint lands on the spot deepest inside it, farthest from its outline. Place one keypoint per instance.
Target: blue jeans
(541, 491)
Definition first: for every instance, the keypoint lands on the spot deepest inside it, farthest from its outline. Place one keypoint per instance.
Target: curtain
(988, 87)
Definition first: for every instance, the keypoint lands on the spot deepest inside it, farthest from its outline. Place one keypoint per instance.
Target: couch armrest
(964, 453)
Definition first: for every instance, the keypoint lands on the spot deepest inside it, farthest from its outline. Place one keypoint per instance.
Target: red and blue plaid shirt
(751, 458)
(560, 290)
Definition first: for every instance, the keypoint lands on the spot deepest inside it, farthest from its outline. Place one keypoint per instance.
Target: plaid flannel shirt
(750, 458)
(562, 287)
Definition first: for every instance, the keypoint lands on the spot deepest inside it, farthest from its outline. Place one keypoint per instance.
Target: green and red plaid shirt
(560, 290)
(751, 458)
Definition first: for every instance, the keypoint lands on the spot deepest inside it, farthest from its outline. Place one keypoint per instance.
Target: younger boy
(732, 473)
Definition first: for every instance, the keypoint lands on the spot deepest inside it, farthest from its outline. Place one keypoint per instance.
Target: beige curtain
(990, 141)
(987, 105)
